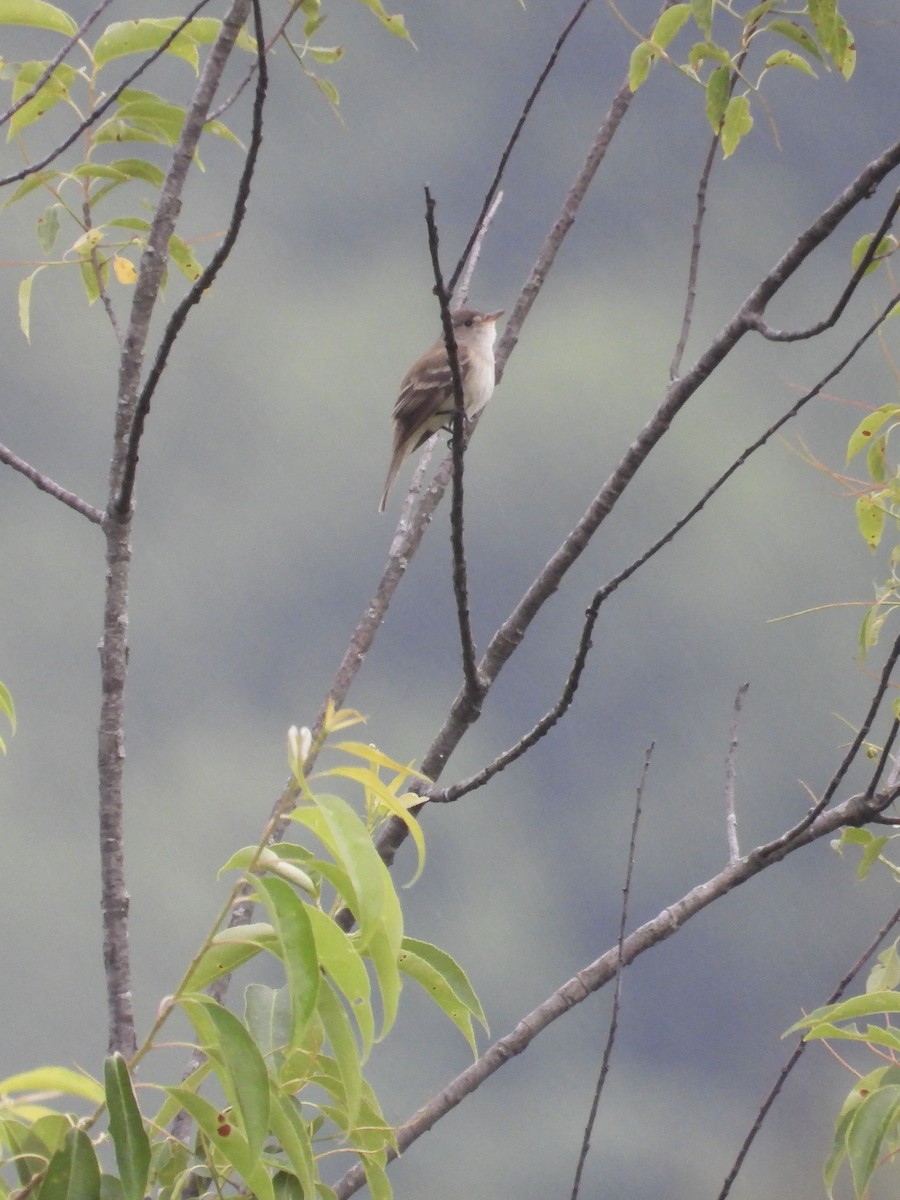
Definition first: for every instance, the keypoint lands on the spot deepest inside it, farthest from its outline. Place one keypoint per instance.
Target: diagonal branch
(858, 810)
(52, 489)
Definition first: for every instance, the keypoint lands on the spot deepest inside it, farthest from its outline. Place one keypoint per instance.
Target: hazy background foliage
(257, 543)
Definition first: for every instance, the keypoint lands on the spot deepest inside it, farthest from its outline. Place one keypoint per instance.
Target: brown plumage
(426, 403)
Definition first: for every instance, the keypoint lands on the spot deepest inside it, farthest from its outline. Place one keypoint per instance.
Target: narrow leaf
(238, 1064)
(73, 1171)
(126, 1128)
(298, 948)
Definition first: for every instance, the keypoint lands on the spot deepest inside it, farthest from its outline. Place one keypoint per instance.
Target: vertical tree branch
(460, 576)
(117, 527)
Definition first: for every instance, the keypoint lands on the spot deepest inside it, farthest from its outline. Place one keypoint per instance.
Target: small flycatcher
(426, 403)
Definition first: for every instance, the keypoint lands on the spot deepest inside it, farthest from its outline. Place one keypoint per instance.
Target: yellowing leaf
(124, 269)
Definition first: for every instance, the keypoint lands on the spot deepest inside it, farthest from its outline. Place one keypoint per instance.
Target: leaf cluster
(282, 1085)
(819, 34)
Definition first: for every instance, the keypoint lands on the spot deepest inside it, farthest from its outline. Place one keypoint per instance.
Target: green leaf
(873, 1122)
(443, 980)
(335, 823)
(736, 123)
(875, 459)
(342, 964)
(870, 519)
(55, 89)
(73, 1170)
(298, 949)
(25, 302)
(642, 57)
(38, 14)
(48, 228)
(237, 1063)
(670, 24)
(228, 1140)
(885, 975)
(394, 806)
(7, 707)
(38, 179)
(383, 951)
(143, 116)
(703, 12)
(869, 426)
(886, 247)
(393, 24)
(90, 280)
(795, 33)
(144, 36)
(326, 54)
(344, 1049)
(701, 51)
(184, 259)
(293, 1136)
(126, 1128)
(717, 87)
(55, 1080)
(229, 950)
(269, 1017)
(787, 58)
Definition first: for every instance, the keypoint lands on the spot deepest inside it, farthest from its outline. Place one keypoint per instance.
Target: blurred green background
(257, 545)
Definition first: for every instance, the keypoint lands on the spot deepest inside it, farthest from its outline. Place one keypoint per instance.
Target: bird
(426, 400)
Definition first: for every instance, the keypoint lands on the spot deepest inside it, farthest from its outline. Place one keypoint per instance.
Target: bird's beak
(493, 316)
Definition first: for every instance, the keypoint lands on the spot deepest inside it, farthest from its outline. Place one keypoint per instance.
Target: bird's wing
(427, 389)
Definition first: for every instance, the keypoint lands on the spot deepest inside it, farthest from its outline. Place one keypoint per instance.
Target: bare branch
(857, 810)
(617, 991)
(199, 287)
(734, 851)
(690, 296)
(460, 575)
(561, 226)
(47, 485)
(493, 191)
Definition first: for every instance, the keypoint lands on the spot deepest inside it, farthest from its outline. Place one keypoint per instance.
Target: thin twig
(195, 295)
(96, 515)
(617, 991)
(493, 190)
(460, 574)
(694, 265)
(780, 335)
(796, 1055)
(734, 850)
(857, 810)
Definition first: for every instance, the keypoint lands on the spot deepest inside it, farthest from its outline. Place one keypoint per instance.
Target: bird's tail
(396, 461)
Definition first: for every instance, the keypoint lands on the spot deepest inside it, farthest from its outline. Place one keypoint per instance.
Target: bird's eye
(468, 322)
